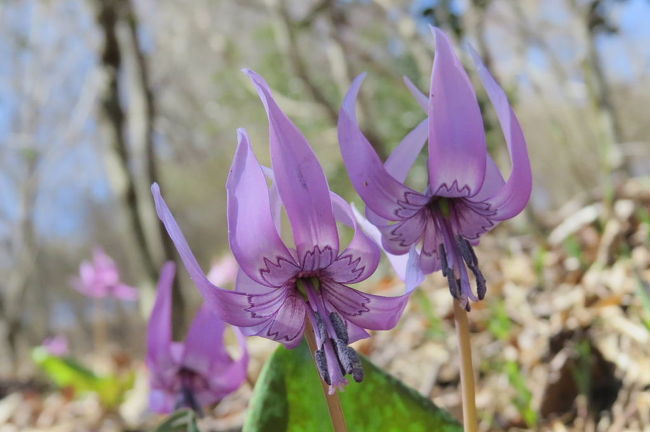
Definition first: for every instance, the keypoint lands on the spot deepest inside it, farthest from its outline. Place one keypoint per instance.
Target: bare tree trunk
(598, 88)
(110, 14)
(26, 250)
(151, 163)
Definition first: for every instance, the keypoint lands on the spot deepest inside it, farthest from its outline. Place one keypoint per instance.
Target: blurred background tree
(98, 98)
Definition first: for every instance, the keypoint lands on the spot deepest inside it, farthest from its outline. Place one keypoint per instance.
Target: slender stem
(100, 330)
(470, 423)
(333, 401)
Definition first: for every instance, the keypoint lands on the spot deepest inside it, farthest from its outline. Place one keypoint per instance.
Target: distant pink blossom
(57, 345)
(195, 372)
(223, 271)
(101, 278)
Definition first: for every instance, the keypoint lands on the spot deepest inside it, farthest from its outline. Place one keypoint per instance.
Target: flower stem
(333, 401)
(466, 369)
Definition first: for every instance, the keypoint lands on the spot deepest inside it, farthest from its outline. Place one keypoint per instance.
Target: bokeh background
(99, 98)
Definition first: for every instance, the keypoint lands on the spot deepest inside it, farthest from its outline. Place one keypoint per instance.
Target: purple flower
(101, 278)
(466, 194)
(196, 372)
(57, 345)
(278, 287)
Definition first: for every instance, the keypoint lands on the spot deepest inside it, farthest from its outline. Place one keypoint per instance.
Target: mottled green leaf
(67, 372)
(288, 398)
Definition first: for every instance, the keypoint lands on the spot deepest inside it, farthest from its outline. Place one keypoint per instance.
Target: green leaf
(523, 396)
(67, 372)
(180, 421)
(288, 397)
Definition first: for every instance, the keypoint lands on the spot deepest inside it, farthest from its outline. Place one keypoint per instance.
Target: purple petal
(398, 238)
(360, 259)
(159, 328)
(229, 305)
(227, 380)
(398, 262)
(514, 196)
(161, 401)
(288, 324)
(368, 311)
(355, 332)
(414, 275)
(317, 259)
(274, 196)
(457, 147)
(204, 346)
(382, 193)
(473, 219)
(493, 181)
(429, 255)
(420, 97)
(125, 292)
(254, 239)
(401, 160)
(245, 284)
(300, 179)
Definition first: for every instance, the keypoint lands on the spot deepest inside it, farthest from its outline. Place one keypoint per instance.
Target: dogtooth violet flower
(466, 194)
(278, 287)
(194, 373)
(101, 278)
(57, 345)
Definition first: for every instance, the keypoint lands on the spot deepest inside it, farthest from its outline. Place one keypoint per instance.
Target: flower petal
(429, 255)
(300, 179)
(493, 181)
(420, 97)
(368, 311)
(231, 306)
(288, 325)
(125, 292)
(253, 237)
(457, 145)
(360, 259)
(204, 346)
(159, 327)
(514, 196)
(161, 401)
(382, 193)
(401, 160)
(398, 262)
(227, 380)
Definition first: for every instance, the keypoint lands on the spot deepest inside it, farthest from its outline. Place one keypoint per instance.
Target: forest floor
(561, 343)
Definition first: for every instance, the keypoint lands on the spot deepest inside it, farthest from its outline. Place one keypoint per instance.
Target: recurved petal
(401, 160)
(513, 197)
(300, 179)
(254, 240)
(493, 181)
(159, 327)
(368, 311)
(227, 379)
(457, 147)
(398, 262)
(360, 259)
(204, 346)
(381, 192)
(231, 306)
(420, 97)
